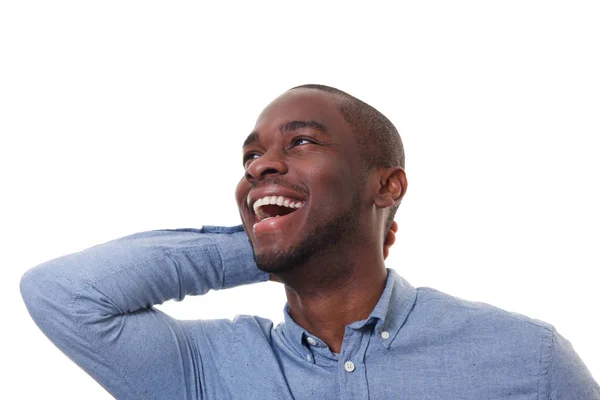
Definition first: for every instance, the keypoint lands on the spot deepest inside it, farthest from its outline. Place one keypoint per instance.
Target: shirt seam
(237, 338)
(216, 246)
(189, 250)
(198, 385)
(545, 362)
(550, 365)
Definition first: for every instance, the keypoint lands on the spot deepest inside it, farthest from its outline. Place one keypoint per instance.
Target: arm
(569, 377)
(96, 305)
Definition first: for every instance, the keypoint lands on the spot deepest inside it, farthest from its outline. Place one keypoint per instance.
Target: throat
(326, 313)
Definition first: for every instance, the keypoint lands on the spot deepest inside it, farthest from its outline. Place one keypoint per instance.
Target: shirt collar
(389, 314)
(394, 306)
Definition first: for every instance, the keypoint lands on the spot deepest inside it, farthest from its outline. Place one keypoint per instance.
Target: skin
(330, 253)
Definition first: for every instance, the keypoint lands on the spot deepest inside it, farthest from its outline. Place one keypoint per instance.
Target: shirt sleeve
(569, 377)
(96, 305)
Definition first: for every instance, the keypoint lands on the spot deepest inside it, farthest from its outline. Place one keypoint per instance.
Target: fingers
(390, 239)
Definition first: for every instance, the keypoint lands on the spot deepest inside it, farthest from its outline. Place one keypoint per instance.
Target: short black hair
(378, 139)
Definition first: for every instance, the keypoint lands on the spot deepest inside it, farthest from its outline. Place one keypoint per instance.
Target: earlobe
(392, 187)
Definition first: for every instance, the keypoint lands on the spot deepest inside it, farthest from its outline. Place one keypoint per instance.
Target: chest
(373, 372)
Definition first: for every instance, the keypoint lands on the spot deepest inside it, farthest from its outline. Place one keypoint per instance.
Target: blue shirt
(417, 344)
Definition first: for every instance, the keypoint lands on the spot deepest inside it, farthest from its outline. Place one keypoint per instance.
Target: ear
(392, 187)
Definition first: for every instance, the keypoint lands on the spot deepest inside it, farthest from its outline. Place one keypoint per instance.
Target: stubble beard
(323, 238)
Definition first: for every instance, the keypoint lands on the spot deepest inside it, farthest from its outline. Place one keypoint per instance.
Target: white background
(123, 116)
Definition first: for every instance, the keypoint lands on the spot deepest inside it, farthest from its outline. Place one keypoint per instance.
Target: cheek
(241, 191)
(335, 185)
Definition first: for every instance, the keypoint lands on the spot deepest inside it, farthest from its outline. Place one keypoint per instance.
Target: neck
(325, 295)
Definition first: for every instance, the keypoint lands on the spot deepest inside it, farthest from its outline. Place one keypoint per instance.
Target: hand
(390, 239)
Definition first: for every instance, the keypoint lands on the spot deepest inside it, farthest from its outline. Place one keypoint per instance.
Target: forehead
(303, 105)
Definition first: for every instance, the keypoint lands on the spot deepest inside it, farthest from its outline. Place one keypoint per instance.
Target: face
(302, 190)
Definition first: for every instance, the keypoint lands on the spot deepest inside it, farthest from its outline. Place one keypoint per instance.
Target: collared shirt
(97, 307)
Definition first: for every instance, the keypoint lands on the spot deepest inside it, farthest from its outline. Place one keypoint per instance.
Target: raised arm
(96, 306)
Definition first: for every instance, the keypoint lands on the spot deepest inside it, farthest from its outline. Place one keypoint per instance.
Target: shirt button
(385, 335)
(308, 357)
(349, 366)
(311, 341)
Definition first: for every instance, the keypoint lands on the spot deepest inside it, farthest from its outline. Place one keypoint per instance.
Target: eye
(249, 157)
(301, 140)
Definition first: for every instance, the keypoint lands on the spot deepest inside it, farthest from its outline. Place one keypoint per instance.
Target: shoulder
(436, 303)
(478, 337)
(480, 327)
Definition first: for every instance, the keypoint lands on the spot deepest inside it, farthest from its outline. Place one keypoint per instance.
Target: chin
(277, 261)
(272, 260)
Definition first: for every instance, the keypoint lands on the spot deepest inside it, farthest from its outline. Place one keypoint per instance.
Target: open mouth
(275, 206)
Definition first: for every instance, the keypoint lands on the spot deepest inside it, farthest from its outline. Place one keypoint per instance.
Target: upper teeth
(278, 200)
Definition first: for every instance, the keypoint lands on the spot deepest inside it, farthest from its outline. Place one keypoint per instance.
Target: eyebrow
(290, 126)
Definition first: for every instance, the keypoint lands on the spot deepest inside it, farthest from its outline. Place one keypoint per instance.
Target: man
(324, 174)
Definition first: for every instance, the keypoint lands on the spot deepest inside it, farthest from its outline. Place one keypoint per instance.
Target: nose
(264, 166)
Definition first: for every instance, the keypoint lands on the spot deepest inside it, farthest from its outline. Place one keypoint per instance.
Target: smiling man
(323, 177)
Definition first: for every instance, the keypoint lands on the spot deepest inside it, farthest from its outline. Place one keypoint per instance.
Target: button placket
(352, 377)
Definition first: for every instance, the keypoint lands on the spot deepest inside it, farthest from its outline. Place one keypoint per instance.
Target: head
(333, 166)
